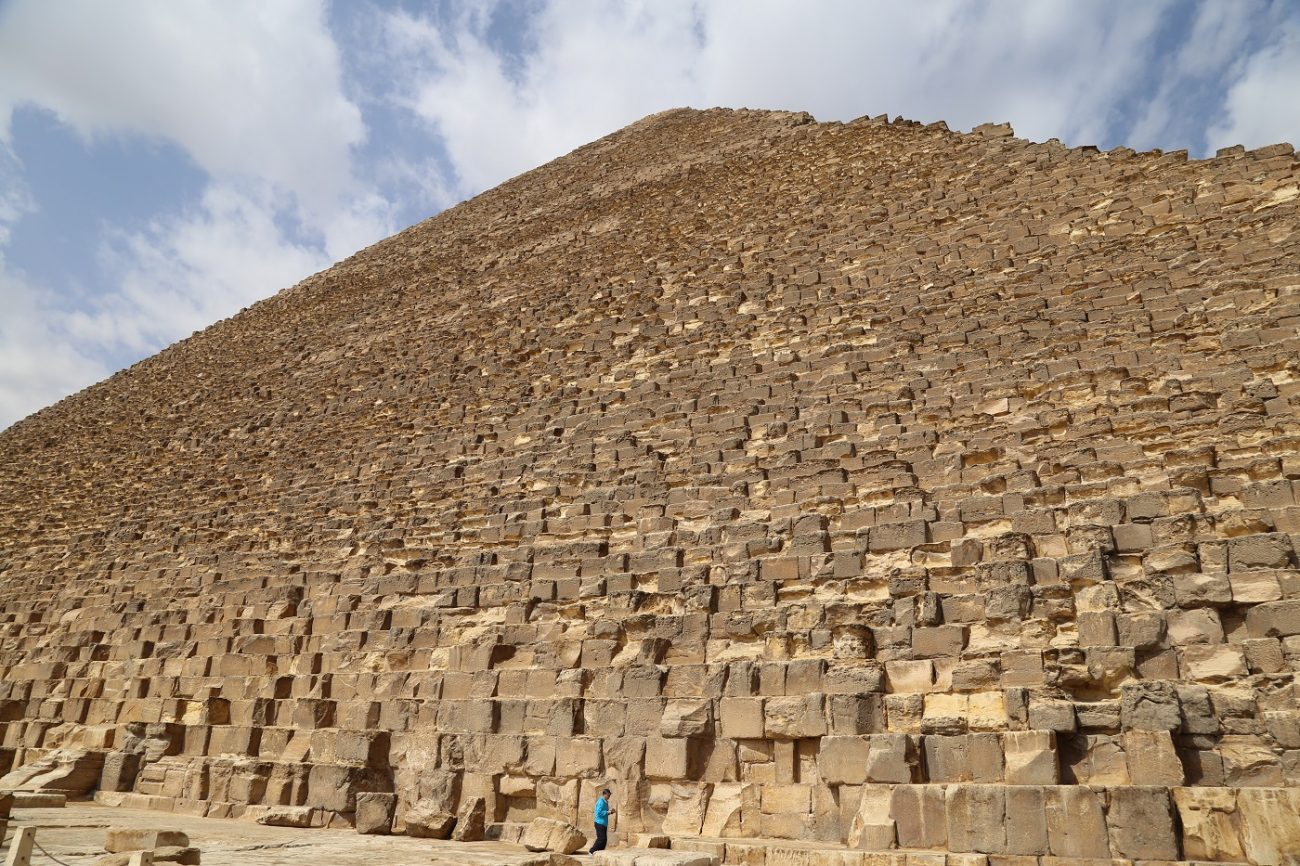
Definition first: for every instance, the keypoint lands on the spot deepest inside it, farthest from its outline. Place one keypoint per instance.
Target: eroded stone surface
(843, 484)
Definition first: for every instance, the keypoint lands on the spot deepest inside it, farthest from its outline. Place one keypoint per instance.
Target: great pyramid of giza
(834, 493)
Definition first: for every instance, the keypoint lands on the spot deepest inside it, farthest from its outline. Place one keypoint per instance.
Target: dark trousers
(601, 831)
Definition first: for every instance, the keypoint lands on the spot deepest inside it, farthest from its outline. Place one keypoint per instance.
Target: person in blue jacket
(602, 813)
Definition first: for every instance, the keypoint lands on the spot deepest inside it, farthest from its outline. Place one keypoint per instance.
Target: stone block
(1026, 829)
(741, 718)
(1266, 550)
(120, 839)
(1076, 822)
(918, 812)
(1152, 758)
(471, 821)
(667, 758)
(1274, 619)
(1211, 824)
(732, 811)
(871, 827)
(1150, 706)
(1269, 824)
(687, 718)
(428, 819)
(843, 760)
(892, 758)
(1031, 758)
(548, 834)
(1140, 823)
(375, 811)
(794, 717)
(976, 817)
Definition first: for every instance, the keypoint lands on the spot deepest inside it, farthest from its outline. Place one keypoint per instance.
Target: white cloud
(253, 93)
(1052, 69)
(187, 271)
(246, 88)
(1262, 106)
(38, 361)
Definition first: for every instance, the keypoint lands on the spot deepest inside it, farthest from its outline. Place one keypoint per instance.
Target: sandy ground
(75, 835)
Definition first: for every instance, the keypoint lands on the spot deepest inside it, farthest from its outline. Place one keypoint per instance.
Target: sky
(164, 165)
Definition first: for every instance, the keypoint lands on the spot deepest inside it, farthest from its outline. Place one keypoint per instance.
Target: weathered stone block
(375, 813)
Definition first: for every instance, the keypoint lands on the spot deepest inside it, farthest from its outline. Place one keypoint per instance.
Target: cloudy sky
(163, 164)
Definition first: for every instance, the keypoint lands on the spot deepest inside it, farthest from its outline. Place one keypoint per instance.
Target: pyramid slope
(861, 483)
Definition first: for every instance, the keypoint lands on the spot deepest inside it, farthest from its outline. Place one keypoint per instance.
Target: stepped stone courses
(870, 487)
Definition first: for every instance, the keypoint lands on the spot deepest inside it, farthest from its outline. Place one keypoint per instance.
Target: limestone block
(1052, 715)
(1199, 716)
(686, 718)
(892, 758)
(578, 756)
(741, 718)
(777, 799)
(1140, 822)
(286, 816)
(428, 820)
(1140, 630)
(872, 826)
(842, 760)
(732, 811)
(856, 714)
(1150, 706)
(1076, 823)
(976, 816)
(1248, 762)
(794, 717)
(120, 771)
(945, 713)
(1200, 625)
(1210, 822)
(667, 759)
(686, 809)
(919, 815)
(1031, 758)
(944, 641)
(1273, 619)
(1255, 587)
(471, 821)
(1216, 663)
(375, 813)
(854, 679)
(896, 536)
(1195, 589)
(119, 839)
(71, 771)
(986, 711)
(548, 834)
(910, 675)
(948, 759)
(556, 799)
(1152, 759)
(1269, 824)
(904, 713)
(1026, 830)
(335, 786)
(1266, 550)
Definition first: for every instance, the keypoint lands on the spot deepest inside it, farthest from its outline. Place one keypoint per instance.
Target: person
(602, 821)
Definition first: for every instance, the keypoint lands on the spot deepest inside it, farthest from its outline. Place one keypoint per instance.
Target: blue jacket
(602, 812)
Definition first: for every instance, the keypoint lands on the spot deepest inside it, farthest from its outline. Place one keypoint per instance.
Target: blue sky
(163, 165)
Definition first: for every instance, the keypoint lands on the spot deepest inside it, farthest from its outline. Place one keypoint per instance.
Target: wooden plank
(20, 851)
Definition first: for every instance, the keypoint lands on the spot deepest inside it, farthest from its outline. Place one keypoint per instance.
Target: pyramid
(849, 494)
